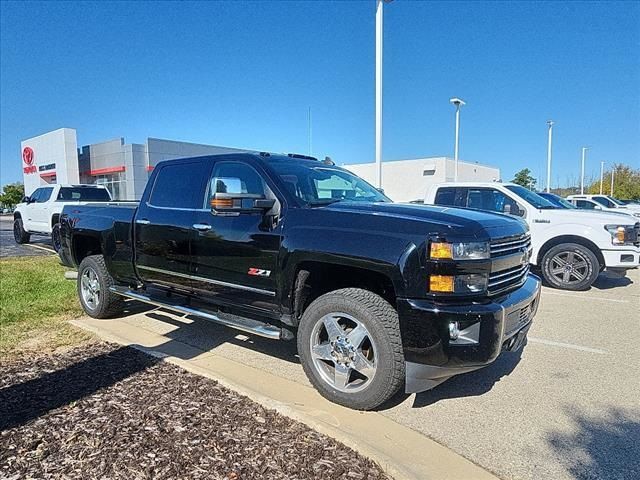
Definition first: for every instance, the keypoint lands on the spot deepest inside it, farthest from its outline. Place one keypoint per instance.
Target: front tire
(94, 281)
(570, 266)
(350, 348)
(56, 240)
(20, 235)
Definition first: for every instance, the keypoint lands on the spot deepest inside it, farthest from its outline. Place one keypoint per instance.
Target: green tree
(12, 194)
(626, 183)
(524, 178)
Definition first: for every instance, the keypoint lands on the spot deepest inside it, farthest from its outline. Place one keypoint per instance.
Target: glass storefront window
(114, 183)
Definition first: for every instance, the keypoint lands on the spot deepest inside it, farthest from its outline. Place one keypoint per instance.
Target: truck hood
(471, 221)
(588, 217)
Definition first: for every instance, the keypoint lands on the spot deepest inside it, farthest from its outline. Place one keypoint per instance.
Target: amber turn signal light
(440, 250)
(441, 283)
(222, 202)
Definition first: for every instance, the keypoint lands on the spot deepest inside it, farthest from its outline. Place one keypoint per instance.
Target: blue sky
(244, 74)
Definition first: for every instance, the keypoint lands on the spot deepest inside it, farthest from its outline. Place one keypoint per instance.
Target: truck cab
(570, 247)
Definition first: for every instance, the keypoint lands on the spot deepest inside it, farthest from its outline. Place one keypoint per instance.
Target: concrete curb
(403, 453)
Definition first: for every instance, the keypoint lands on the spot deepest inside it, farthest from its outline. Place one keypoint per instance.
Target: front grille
(515, 272)
(505, 279)
(508, 246)
(635, 234)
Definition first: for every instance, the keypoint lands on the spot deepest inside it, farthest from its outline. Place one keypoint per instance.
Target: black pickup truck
(377, 294)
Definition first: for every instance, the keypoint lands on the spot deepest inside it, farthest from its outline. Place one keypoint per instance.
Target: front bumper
(486, 329)
(624, 257)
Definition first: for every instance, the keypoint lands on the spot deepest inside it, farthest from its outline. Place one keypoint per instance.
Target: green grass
(35, 303)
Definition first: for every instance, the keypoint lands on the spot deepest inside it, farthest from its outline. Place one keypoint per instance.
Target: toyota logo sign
(27, 158)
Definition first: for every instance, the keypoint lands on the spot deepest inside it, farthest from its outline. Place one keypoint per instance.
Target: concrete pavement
(566, 408)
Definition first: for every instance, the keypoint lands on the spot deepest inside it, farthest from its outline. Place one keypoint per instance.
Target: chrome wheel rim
(569, 267)
(90, 288)
(343, 352)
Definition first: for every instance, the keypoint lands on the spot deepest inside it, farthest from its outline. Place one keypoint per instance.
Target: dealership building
(124, 168)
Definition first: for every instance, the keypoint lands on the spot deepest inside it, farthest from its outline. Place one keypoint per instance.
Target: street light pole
(613, 172)
(584, 154)
(550, 124)
(379, 4)
(458, 103)
(601, 175)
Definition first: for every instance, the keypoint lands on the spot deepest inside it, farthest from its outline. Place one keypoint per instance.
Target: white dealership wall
(407, 180)
(54, 153)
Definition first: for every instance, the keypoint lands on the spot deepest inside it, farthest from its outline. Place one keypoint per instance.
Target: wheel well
(16, 215)
(571, 239)
(83, 246)
(314, 279)
(55, 218)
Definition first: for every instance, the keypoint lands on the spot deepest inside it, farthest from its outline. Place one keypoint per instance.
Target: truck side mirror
(240, 202)
(26, 199)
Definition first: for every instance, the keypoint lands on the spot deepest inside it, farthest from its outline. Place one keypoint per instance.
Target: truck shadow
(600, 446)
(605, 281)
(470, 384)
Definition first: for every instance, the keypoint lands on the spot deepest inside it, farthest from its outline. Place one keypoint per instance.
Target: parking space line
(551, 343)
(546, 292)
(50, 250)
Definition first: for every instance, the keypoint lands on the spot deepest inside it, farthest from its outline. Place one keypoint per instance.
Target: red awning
(102, 171)
(48, 174)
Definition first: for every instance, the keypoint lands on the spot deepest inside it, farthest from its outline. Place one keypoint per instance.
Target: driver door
(235, 245)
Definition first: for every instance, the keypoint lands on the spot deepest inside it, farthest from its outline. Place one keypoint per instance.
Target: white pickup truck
(570, 247)
(39, 213)
(604, 203)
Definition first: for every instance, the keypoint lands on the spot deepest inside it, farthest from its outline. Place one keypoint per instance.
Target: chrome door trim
(208, 280)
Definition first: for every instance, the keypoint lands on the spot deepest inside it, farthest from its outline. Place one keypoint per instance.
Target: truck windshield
(322, 185)
(532, 198)
(83, 194)
(558, 201)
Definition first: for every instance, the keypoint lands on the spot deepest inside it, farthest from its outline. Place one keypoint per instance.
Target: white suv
(604, 202)
(570, 247)
(39, 213)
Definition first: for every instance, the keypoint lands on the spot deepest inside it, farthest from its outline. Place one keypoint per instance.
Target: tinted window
(83, 194)
(35, 195)
(445, 196)
(605, 201)
(530, 197)
(492, 200)
(585, 204)
(44, 195)
(180, 185)
(236, 178)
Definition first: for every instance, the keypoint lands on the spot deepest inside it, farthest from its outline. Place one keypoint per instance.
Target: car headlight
(470, 283)
(459, 250)
(619, 234)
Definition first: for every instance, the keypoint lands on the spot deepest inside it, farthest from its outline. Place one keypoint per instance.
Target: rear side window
(585, 204)
(604, 201)
(180, 185)
(83, 194)
(445, 196)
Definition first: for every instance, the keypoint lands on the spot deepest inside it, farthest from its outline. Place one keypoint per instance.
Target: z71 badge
(259, 272)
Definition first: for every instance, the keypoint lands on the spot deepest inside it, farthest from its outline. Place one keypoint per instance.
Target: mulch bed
(104, 411)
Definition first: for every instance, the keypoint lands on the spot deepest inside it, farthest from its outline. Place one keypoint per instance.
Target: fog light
(454, 330)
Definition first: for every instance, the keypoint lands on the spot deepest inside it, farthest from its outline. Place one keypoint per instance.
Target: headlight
(471, 283)
(619, 234)
(459, 251)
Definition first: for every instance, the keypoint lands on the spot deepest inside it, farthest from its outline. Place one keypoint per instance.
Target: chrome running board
(228, 320)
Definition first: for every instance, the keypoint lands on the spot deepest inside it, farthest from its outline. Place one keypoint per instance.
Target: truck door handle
(143, 221)
(201, 227)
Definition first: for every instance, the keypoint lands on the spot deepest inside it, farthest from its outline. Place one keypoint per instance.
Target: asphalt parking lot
(567, 407)
(39, 245)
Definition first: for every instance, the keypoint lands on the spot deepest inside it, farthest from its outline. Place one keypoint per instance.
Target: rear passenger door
(164, 223)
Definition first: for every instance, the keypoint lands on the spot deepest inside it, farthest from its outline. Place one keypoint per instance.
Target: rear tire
(56, 240)
(350, 348)
(20, 235)
(570, 266)
(94, 281)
